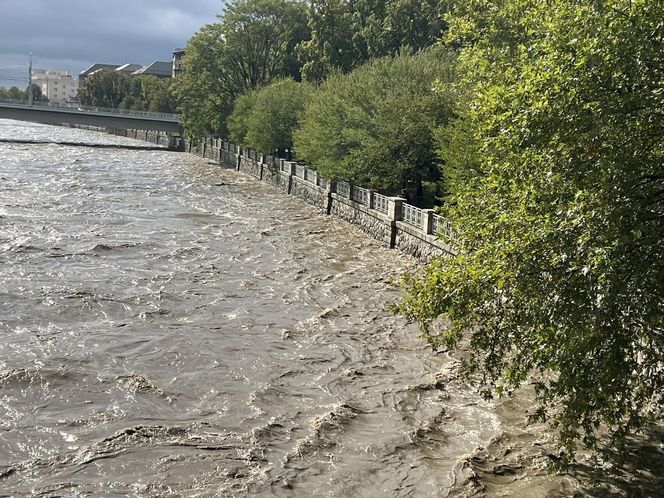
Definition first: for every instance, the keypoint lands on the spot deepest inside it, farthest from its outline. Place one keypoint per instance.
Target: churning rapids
(171, 328)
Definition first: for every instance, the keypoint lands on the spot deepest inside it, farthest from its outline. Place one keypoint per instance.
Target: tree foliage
(14, 93)
(251, 45)
(202, 97)
(265, 119)
(560, 270)
(108, 88)
(238, 121)
(375, 125)
(347, 33)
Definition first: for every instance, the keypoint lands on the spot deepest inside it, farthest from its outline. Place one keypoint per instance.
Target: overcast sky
(74, 34)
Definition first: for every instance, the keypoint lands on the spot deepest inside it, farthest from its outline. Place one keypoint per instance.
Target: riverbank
(517, 463)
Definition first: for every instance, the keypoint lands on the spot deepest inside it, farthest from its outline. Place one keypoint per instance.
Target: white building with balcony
(57, 85)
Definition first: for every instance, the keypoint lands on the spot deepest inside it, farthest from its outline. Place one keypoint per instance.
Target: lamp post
(30, 82)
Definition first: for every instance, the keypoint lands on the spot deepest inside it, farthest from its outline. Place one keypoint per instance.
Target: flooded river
(169, 328)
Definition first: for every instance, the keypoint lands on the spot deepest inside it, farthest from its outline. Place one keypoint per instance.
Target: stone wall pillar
(394, 213)
(427, 222)
(395, 208)
(292, 171)
(370, 198)
(329, 190)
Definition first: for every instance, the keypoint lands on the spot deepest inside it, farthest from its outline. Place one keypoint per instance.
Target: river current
(170, 328)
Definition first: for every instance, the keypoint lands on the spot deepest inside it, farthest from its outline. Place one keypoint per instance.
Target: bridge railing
(165, 116)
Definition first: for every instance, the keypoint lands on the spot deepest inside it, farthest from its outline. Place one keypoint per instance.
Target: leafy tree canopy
(265, 119)
(560, 270)
(347, 33)
(375, 125)
(14, 93)
(113, 89)
(252, 44)
(105, 88)
(238, 121)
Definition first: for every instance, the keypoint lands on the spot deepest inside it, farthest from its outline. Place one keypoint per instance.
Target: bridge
(54, 114)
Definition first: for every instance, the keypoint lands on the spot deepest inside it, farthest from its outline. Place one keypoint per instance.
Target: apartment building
(57, 85)
(178, 54)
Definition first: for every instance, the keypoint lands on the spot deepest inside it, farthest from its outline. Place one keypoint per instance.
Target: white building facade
(57, 85)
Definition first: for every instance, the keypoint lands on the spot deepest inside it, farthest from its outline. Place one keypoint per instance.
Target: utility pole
(30, 82)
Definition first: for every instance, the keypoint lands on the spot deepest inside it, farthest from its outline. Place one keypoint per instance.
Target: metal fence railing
(78, 108)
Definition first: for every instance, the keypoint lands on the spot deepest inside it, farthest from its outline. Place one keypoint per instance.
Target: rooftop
(97, 67)
(129, 68)
(157, 68)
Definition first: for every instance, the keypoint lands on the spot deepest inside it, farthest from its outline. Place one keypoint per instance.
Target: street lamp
(30, 81)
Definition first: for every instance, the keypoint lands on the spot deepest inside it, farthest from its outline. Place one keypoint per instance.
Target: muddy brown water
(168, 328)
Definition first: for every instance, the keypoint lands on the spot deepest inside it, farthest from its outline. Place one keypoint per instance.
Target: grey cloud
(72, 34)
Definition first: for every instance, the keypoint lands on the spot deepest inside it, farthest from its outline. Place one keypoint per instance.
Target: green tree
(132, 98)
(105, 88)
(560, 269)
(347, 33)
(239, 119)
(265, 119)
(15, 94)
(203, 95)
(374, 126)
(109, 88)
(155, 94)
(251, 45)
(37, 94)
(261, 36)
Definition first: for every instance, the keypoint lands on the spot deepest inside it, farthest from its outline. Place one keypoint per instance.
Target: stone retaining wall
(411, 240)
(251, 167)
(310, 193)
(374, 223)
(294, 179)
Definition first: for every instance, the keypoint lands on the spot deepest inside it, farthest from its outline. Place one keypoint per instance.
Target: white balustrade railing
(343, 188)
(412, 215)
(361, 195)
(310, 175)
(442, 227)
(380, 203)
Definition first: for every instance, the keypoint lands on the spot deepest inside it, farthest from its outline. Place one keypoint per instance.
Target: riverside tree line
(542, 123)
